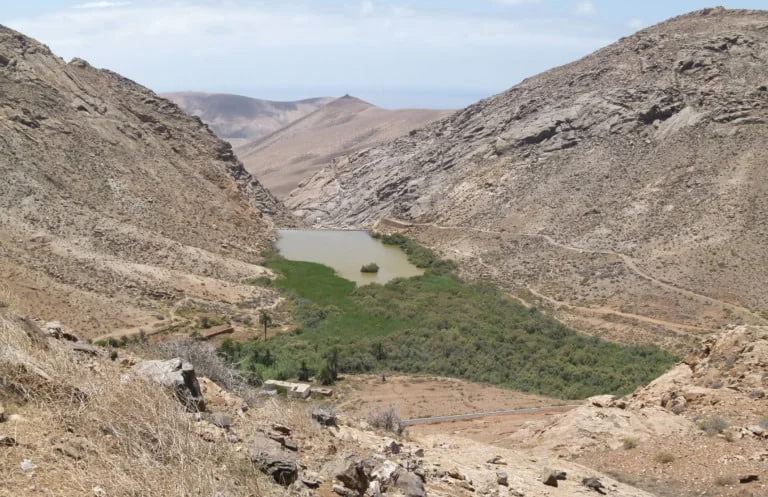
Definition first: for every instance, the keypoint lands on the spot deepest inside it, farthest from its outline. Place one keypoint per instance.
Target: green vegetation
(266, 320)
(208, 322)
(629, 443)
(712, 425)
(418, 255)
(437, 324)
(370, 268)
(664, 457)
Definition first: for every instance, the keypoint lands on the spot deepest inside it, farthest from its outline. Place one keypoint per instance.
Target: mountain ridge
(115, 203)
(288, 156)
(648, 149)
(238, 118)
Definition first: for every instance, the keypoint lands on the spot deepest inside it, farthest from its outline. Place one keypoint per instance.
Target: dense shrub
(371, 267)
(418, 255)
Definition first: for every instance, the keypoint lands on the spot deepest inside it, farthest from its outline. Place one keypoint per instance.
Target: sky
(396, 54)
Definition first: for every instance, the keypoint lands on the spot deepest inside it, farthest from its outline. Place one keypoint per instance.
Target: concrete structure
(300, 390)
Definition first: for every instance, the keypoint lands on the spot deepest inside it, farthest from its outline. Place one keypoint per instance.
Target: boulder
(384, 473)
(6, 441)
(2, 413)
(281, 429)
(271, 459)
(176, 375)
(311, 480)
(353, 473)
(84, 348)
(502, 478)
(409, 484)
(393, 447)
(374, 490)
(593, 484)
(456, 474)
(551, 478)
(55, 330)
(326, 417)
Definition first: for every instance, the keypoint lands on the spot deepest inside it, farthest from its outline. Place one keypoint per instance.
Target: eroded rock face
(270, 457)
(176, 375)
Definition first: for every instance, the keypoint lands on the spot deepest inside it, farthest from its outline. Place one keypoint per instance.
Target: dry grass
(207, 363)
(387, 419)
(137, 439)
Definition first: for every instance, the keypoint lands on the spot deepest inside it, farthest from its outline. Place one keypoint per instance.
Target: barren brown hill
(239, 119)
(346, 125)
(115, 205)
(626, 190)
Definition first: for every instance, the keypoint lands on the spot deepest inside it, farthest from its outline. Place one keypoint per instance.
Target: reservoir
(346, 252)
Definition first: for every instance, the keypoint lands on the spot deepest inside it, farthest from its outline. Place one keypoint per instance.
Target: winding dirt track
(627, 260)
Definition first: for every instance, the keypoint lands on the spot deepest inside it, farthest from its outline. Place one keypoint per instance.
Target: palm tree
(266, 320)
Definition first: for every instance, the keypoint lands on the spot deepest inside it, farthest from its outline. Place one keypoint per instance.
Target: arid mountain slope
(240, 119)
(114, 203)
(346, 125)
(627, 190)
(707, 416)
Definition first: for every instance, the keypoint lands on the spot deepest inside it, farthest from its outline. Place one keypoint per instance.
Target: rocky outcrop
(270, 457)
(176, 375)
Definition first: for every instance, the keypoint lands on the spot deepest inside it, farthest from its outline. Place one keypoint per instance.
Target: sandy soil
(427, 396)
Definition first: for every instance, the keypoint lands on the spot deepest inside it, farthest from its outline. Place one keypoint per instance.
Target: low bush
(725, 481)
(418, 255)
(664, 457)
(387, 419)
(629, 443)
(712, 425)
(757, 394)
(371, 267)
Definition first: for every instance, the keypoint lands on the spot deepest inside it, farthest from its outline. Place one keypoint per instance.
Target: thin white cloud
(275, 44)
(225, 26)
(636, 24)
(367, 8)
(515, 2)
(100, 5)
(586, 7)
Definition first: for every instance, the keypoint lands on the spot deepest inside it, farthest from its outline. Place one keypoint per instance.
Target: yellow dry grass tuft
(128, 437)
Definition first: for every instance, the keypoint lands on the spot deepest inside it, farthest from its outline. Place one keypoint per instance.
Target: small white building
(300, 390)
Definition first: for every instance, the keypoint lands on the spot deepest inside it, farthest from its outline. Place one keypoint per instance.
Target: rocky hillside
(625, 190)
(700, 428)
(240, 119)
(114, 203)
(291, 155)
(65, 425)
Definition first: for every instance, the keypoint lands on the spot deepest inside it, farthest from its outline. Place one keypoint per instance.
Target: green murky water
(346, 252)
